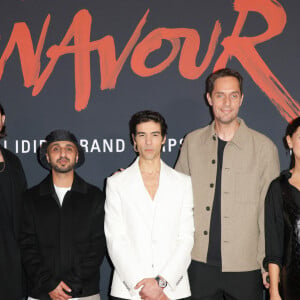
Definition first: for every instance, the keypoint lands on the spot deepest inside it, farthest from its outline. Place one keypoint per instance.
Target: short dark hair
(3, 130)
(210, 81)
(146, 116)
(290, 130)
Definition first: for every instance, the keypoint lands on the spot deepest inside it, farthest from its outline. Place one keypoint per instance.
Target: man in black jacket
(62, 237)
(12, 185)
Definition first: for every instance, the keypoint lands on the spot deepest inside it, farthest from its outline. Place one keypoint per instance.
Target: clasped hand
(150, 290)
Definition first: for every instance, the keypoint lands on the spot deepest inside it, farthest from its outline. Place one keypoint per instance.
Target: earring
(291, 151)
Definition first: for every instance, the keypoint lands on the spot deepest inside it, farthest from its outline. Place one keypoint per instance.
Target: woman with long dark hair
(282, 224)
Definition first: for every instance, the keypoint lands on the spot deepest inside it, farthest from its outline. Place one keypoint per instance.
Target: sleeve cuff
(272, 260)
(50, 285)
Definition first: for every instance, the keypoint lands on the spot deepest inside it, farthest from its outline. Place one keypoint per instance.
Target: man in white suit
(149, 219)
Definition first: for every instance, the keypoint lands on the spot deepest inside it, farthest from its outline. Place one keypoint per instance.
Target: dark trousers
(116, 298)
(210, 283)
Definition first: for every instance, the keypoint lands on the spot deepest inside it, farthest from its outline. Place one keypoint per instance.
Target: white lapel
(162, 197)
(143, 202)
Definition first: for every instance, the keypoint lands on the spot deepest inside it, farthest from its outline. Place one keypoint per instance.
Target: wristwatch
(161, 282)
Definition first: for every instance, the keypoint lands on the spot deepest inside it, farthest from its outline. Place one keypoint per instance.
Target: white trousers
(93, 297)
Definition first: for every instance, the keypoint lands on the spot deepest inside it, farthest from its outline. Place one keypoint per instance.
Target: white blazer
(148, 237)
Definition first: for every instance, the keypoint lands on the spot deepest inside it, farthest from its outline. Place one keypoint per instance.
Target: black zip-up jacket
(63, 243)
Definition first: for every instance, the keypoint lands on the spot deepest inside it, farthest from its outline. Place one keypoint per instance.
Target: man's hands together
(150, 290)
(59, 294)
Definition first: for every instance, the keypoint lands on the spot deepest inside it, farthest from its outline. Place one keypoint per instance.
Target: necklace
(3, 168)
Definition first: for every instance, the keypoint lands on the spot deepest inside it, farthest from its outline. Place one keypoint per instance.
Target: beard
(63, 169)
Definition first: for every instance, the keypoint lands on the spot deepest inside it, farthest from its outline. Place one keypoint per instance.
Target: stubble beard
(63, 170)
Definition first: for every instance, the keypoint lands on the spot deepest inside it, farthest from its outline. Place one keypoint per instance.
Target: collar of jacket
(239, 139)
(47, 186)
(286, 174)
(7, 156)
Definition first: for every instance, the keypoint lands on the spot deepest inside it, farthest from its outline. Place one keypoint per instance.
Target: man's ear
(208, 99)
(242, 99)
(133, 138)
(289, 142)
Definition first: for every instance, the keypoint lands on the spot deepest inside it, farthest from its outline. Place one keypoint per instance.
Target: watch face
(162, 283)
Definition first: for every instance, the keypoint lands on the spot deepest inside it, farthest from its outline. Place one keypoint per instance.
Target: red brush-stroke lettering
(189, 51)
(110, 67)
(30, 60)
(243, 48)
(79, 30)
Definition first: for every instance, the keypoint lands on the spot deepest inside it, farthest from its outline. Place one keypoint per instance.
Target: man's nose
(62, 151)
(227, 99)
(148, 140)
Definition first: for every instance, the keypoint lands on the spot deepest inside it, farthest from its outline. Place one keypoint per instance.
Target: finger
(65, 287)
(266, 281)
(139, 284)
(64, 296)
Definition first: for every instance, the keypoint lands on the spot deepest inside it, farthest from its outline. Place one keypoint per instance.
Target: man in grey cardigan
(231, 167)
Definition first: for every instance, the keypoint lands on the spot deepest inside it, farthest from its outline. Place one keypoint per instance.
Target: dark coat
(63, 243)
(10, 262)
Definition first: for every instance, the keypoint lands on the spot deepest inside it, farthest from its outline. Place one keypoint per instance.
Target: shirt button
(213, 161)
(207, 208)
(211, 185)
(214, 137)
(205, 232)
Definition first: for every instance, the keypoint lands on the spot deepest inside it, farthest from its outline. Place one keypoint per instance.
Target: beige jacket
(250, 162)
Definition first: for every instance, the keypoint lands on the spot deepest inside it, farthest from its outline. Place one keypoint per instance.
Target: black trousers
(116, 298)
(210, 283)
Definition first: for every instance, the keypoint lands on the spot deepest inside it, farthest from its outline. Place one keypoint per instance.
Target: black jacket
(63, 243)
(10, 261)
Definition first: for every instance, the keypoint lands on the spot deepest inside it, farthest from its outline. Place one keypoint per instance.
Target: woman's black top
(282, 233)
